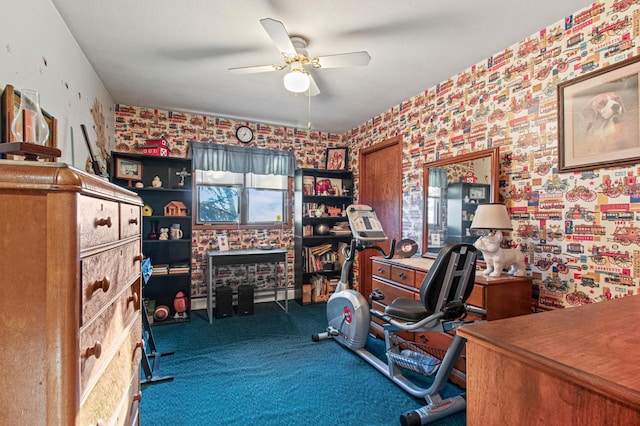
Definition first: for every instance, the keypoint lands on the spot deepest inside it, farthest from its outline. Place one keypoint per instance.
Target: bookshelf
(321, 230)
(166, 225)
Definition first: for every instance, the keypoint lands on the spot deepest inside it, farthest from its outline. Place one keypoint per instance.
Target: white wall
(32, 33)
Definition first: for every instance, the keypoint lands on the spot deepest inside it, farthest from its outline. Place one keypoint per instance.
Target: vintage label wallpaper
(579, 230)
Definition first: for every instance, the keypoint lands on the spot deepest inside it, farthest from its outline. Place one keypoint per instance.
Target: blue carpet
(264, 369)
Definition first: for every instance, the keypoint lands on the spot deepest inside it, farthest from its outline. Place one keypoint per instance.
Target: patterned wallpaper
(579, 231)
(136, 124)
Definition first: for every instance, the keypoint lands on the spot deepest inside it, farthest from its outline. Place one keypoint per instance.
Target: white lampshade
(491, 216)
(296, 80)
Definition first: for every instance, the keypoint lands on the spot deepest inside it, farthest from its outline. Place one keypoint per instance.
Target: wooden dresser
(70, 323)
(576, 366)
(502, 297)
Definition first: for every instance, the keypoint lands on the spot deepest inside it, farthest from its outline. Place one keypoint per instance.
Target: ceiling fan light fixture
(296, 81)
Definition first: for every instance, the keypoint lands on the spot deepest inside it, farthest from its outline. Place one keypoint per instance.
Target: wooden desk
(246, 257)
(576, 366)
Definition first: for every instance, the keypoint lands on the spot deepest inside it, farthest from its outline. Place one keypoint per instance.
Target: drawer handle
(424, 338)
(138, 258)
(402, 276)
(380, 269)
(96, 351)
(139, 345)
(133, 221)
(103, 284)
(137, 396)
(134, 298)
(103, 222)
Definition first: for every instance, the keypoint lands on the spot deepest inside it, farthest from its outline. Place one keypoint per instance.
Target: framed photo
(477, 192)
(599, 118)
(337, 158)
(10, 106)
(128, 169)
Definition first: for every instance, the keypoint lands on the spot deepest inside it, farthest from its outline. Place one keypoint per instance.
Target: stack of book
(341, 228)
(160, 269)
(179, 268)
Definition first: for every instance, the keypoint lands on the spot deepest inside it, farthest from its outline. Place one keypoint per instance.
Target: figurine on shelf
(180, 304)
(164, 234)
(156, 182)
(182, 174)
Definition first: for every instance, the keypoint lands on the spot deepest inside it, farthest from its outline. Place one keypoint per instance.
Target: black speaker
(245, 300)
(224, 302)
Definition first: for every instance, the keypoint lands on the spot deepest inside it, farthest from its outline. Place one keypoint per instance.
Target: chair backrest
(450, 278)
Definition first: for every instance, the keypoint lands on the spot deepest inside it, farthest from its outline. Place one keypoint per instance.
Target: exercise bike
(443, 292)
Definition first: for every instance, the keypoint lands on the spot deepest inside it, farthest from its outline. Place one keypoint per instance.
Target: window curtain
(238, 159)
(438, 177)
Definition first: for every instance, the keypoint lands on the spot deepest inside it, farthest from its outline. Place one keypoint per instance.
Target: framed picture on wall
(336, 158)
(599, 118)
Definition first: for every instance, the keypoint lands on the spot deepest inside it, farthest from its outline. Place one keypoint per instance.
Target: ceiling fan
(293, 49)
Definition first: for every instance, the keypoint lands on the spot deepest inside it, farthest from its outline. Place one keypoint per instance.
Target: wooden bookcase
(171, 258)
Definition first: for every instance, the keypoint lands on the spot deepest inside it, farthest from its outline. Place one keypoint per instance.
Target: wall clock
(244, 134)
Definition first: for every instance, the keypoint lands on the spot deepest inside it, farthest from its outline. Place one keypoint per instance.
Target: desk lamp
(491, 217)
(495, 219)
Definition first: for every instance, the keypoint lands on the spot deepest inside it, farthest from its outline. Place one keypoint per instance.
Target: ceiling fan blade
(279, 36)
(353, 59)
(313, 87)
(255, 69)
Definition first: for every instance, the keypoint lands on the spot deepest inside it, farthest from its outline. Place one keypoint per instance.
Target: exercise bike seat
(454, 268)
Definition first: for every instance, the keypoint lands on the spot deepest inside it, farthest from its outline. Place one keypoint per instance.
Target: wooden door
(380, 186)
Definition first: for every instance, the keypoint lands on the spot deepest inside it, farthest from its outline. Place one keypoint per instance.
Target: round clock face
(244, 134)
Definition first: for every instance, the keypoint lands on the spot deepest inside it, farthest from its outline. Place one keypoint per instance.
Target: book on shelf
(178, 268)
(320, 258)
(160, 269)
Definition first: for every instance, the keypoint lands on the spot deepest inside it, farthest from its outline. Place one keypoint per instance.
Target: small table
(244, 257)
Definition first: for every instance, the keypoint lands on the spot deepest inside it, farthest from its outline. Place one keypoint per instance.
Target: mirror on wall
(453, 188)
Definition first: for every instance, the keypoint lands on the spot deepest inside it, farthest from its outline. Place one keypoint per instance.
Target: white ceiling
(175, 55)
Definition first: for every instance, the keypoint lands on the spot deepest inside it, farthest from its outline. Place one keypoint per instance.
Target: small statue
(164, 234)
(498, 258)
(156, 182)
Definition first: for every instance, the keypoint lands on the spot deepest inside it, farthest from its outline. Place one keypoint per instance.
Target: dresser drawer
(104, 333)
(380, 269)
(99, 222)
(390, 291)
(114, 386)
(129, 220)
(437, 344)
(403, 276)
(105, 274)
(476, 298)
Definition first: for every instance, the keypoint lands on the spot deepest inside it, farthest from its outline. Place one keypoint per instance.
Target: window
(240, 198)
(434, 212)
